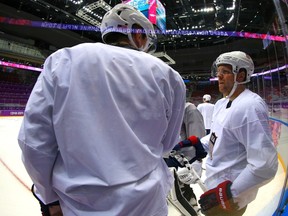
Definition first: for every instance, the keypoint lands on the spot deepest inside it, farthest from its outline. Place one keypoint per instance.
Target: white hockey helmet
(121, 18)
(206, 97)
(237, 60)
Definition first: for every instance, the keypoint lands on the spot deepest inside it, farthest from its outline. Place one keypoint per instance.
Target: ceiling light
(94, 12)
(76, 2)
(232, 7)
(231, 19)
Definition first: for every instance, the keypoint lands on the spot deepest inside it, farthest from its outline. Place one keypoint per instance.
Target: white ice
(16, 198)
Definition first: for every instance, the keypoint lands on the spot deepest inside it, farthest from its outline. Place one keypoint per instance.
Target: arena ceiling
(192, 45)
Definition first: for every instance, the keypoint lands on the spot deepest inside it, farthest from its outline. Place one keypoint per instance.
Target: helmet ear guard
(121, 19)
(237, 60)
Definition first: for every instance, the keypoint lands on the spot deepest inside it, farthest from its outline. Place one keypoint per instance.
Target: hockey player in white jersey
(206, 109)
(241, 153)
(99, 120)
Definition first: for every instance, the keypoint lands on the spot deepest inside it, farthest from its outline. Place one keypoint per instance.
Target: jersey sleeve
(36, 137)
(193, 121)
(262, 158)
(175, 119)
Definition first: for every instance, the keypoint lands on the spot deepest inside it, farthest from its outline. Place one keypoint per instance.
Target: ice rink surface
(16, 198)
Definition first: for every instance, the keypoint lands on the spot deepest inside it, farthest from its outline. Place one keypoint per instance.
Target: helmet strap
(234, 87)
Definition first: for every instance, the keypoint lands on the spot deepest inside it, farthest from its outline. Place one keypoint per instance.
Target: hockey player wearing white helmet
(241, 153)
(99, 120)
(125, 26)
(206, 109)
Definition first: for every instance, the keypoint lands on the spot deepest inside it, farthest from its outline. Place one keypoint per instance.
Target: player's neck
(237, 92)
(124, 44)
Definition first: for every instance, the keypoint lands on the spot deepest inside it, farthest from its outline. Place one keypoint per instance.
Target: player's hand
(218, 199)
(51, 209)
(196, 143)
(200, 151)
(55, 210)
(190, 141)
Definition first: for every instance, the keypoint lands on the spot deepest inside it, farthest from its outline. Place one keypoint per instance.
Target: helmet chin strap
(233, 88)
(236, 83)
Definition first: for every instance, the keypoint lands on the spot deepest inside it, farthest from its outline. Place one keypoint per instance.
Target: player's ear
(241, 75)
(139, 39)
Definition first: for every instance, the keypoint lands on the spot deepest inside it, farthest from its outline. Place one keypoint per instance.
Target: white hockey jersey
(206, 109)
(96, 126)
(240, 147)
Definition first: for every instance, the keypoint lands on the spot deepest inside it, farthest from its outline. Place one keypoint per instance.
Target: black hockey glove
(218, 200)
(46, 209)
(196, 143)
